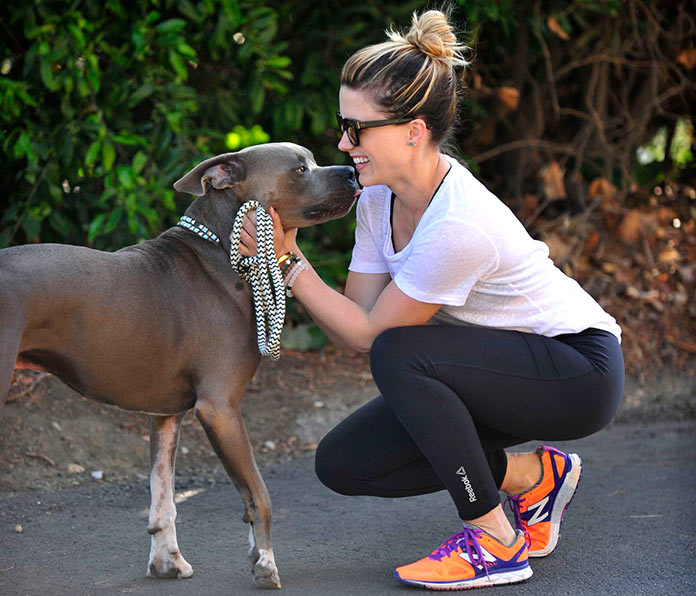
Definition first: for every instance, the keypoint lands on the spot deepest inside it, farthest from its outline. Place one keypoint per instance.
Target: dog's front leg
(165, 559)
(227, 433)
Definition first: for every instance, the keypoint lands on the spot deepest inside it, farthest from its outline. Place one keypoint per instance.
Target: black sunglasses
(353, 127)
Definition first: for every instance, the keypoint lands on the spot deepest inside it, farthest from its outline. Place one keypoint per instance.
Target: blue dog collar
(197, 228)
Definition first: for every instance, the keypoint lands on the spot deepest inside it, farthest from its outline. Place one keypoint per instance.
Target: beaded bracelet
(292, 276)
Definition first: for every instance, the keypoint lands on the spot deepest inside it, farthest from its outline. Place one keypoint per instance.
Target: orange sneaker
(539, 511)
(470, 559)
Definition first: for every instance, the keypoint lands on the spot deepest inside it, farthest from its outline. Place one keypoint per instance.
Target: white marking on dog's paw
(265, 570)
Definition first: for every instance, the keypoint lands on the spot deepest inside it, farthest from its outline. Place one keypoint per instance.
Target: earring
(411, 144)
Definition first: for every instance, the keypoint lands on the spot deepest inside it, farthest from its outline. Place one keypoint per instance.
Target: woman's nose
(344, 143)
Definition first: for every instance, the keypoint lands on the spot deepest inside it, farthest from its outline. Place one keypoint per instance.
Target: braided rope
(261, 272)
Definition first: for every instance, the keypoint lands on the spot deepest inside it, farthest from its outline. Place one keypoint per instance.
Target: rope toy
(261, 272)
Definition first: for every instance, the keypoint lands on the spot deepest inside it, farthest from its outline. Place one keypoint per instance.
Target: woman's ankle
(496, 524)
(523, 472)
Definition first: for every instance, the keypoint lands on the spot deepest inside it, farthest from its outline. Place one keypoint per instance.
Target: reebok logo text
(467, 484)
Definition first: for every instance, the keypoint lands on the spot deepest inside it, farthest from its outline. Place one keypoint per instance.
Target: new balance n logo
(538, 508)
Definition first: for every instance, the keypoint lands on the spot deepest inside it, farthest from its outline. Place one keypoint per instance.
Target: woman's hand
(283, 240)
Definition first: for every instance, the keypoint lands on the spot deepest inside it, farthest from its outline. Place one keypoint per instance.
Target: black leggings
(453, 397)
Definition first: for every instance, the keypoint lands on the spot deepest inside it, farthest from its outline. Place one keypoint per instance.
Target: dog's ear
(221, 171)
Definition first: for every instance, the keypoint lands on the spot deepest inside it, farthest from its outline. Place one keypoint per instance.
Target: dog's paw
(265, 571)
(175, 566)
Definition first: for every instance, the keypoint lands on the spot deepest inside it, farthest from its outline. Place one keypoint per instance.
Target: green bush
(105, 104)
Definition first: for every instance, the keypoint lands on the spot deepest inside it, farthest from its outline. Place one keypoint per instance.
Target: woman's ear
(417, 132)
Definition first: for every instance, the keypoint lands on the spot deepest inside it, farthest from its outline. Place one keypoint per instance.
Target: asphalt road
(630, 530)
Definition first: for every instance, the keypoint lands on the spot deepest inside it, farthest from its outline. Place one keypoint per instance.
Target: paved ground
(630, 530)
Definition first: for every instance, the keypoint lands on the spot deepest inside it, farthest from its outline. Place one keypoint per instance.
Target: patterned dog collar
(197, 228)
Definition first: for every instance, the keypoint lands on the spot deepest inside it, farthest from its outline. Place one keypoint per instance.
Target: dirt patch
(47, 430)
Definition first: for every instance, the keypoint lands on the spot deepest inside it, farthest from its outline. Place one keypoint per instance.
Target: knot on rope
(262, 273)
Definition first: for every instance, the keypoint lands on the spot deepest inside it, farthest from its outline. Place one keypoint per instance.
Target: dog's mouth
(334, 206)
(331, 208)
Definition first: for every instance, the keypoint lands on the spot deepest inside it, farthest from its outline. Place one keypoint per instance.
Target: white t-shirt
(470, 254)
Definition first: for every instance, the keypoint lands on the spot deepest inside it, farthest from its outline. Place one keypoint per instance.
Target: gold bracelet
(285, 257)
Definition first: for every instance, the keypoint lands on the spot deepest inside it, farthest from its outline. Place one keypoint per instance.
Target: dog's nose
(347, 172)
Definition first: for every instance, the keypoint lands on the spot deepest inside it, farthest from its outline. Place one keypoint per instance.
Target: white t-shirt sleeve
(445, 262)
(367, 252)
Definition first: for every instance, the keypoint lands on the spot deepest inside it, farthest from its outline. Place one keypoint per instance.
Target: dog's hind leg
(10, 337)
(225, 428)
(166, 560)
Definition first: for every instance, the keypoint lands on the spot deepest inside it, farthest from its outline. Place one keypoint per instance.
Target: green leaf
(92, 72)
(139, 162)
(279, 62)
(46, 71)
(92, 153)
(31, 227)
(108, 155)
(95, 227)
(113, 221)
(60, 223)
(186, 51)
(152, 17)
(178, 63)
(24, 147)
(141, 93)
(77, 35)
(126, 137)
(125, 176)
(171, 26)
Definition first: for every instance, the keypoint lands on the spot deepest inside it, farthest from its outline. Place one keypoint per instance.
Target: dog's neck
(216, 210)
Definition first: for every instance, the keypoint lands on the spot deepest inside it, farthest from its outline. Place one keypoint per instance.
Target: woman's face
(382, 155)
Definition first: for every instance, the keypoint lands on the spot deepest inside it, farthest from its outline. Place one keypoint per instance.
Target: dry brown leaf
(485, 134)
(669, 255)
(630, 226)
(665, 215)
(509, 97)
(556, 28)
(559, 247)
(601, 187)
(529, 205)
(684, 345)
(477, 82)
(552, 179)
(687, 58)
(591, 242)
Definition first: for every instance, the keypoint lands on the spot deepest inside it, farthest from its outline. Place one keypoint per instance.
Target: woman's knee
(391, 351)
(333, 469)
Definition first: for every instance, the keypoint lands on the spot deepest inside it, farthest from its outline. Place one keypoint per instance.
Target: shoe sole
(495, 579)
(565, 496)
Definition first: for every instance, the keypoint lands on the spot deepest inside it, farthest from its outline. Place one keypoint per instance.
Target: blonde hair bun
(412, 75)
(432, 35)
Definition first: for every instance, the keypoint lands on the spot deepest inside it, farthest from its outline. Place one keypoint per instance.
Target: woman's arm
(371, 305)
(361, 288)
(353, 324)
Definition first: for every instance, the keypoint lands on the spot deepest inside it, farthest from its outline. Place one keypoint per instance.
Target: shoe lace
(466, 540)
(514, 504)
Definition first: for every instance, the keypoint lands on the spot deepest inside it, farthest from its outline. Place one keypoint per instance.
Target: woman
(477, 342)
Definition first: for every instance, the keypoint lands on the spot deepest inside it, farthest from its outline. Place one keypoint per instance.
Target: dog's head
(283, 175)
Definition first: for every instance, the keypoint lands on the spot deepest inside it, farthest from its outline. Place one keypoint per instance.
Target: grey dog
(167, 326)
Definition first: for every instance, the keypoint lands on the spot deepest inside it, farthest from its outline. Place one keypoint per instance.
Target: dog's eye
(301, 169)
